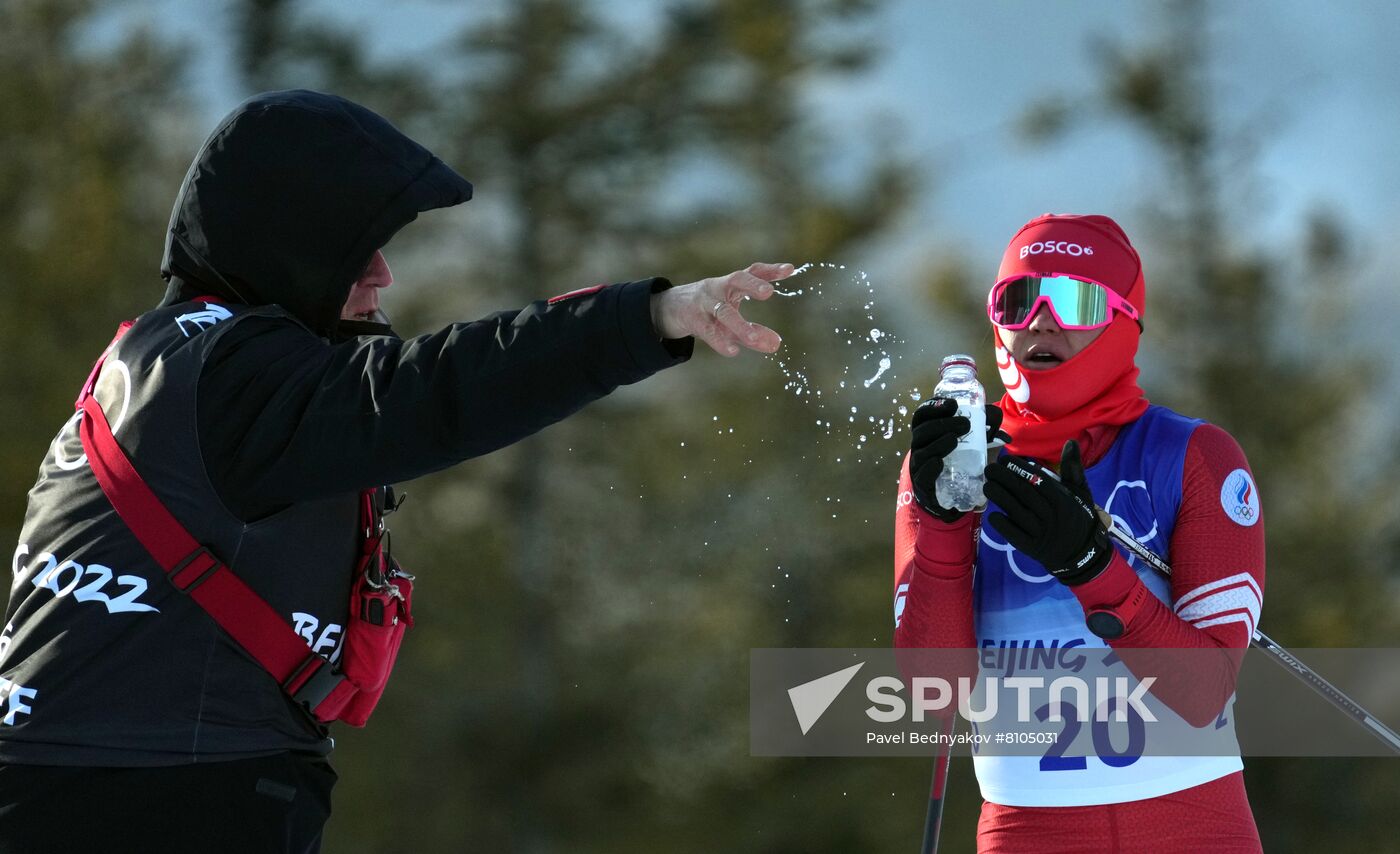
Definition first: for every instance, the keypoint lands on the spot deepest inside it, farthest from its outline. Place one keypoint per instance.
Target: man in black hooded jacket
(259, 402)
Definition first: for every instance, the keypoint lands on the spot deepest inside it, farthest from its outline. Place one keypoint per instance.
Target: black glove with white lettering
(1052, 520)
(936, 428)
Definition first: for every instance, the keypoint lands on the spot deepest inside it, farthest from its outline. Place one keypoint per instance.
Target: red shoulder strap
(97, 366)
(240, 612)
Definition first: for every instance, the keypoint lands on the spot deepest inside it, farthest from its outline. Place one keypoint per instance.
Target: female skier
(1036, 568)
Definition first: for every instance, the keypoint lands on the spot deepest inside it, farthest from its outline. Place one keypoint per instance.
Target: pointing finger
(742, 283)
(770, 272)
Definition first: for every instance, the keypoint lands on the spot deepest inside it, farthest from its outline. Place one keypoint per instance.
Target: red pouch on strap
(380, 612)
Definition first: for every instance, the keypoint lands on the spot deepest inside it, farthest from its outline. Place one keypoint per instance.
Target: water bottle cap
(958, 359)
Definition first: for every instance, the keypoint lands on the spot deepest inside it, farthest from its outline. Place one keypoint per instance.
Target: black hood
(289, 198)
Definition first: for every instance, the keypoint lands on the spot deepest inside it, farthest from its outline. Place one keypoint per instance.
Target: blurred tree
(278, 46)
(87, 192)
(1241, 316)
(577, 680)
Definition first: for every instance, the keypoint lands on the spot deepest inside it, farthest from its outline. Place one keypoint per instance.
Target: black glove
(1051, 520)
(936, 428)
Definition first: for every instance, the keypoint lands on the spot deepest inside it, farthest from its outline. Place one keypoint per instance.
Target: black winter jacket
(282, 209)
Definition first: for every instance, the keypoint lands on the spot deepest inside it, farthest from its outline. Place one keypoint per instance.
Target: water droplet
(884, 366)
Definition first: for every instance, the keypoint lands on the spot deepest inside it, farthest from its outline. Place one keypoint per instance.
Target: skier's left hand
(1052, 520)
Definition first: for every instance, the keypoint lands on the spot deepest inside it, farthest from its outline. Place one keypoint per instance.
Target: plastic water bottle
(959, 487)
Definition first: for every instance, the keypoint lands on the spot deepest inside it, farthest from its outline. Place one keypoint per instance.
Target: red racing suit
(1214, 599)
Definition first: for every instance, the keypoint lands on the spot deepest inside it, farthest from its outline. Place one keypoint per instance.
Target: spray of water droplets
(857, 400)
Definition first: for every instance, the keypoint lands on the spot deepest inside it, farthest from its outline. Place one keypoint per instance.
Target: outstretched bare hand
(709, 310)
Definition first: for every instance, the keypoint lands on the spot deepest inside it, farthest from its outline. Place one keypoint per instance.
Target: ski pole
(938, 791)
(1282, 656)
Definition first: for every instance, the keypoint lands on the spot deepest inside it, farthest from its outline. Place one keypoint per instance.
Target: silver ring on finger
(719, 305)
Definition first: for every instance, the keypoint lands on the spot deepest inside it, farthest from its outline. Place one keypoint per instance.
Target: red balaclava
(1096, 388)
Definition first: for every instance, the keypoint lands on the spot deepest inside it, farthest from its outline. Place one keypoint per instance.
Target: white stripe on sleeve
(1231, 599)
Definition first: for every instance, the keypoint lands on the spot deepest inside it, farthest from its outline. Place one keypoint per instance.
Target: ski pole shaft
(933, 823)
(1327, 690)
(1282, 656)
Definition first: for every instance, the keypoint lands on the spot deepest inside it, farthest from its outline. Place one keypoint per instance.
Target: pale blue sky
(1322, 80)
(954, 75)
